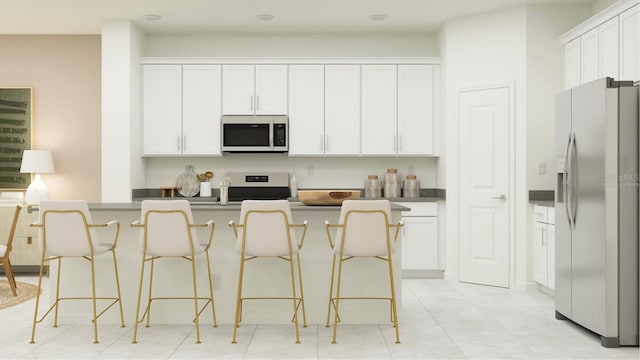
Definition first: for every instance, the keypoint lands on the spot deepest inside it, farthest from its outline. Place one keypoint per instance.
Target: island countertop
(215, 206)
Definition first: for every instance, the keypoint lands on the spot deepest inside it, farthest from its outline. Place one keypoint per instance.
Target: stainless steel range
(258, 185)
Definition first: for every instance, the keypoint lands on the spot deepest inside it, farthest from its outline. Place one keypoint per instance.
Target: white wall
(480, 50)
(545, 79)
(284, 45)
(327, 172)
(122, 42)
(601, 5)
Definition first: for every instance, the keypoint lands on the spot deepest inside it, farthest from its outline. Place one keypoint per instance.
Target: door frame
(510, 85)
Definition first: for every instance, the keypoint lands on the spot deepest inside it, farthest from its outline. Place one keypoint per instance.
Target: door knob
(502, 197)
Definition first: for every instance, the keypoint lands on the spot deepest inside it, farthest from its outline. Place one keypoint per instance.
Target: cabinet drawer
(540, 213)
(420, 208)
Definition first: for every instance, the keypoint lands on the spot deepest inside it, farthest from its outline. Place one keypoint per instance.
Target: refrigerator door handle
(565, 181)
(574, 180)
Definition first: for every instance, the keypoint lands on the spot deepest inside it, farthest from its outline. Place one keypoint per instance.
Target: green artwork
(15, 136)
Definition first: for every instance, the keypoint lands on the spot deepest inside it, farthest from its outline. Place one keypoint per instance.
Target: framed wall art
(16, 119)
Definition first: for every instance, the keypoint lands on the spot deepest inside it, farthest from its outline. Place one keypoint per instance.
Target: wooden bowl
(327, 197)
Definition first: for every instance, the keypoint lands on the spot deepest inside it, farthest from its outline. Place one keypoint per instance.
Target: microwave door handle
(271, 130)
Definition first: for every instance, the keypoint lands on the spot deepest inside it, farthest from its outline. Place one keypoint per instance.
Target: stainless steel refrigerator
(597, 209)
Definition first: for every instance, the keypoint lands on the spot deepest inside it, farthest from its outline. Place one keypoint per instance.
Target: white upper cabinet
(608, 48)
(630, 44)
(379, 109)
(306, 110)
(201, 109)
(271, 90)
(342, 110)
(589, 56)
(416, 109)
(254, 89)
(572, 63)
(181, 110)
(608, 44)
(162, 110)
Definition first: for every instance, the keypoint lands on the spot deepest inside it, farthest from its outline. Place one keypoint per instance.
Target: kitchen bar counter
(263, 276)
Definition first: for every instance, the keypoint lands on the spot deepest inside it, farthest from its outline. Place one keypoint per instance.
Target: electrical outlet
(310, 169)
(542, 167)
(215, 278)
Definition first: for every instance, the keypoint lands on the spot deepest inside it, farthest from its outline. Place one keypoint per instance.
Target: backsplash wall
(312, 172)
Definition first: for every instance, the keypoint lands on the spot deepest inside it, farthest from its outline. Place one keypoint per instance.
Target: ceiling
(239, 16)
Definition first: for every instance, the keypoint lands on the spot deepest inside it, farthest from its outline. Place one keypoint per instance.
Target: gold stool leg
(115, 267)
(195, 297)
(333, 268)
(153, 262)
(393, 301)
(295, 308)
(237, 317)
(304, 312)
(213, 306)
(335, 317)
(35, 313)
(55, 318)
(136, 321)
(6, 263)
(93, 298)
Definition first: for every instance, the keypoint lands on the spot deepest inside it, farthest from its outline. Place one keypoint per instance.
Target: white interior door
(484, 170)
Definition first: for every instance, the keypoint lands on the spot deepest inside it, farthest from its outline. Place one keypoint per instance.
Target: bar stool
(5, 251)
(168, 231)
(363, 231)
(266, 230)
(67, 231)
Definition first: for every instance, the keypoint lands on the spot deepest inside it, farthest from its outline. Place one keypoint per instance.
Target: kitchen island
(263, 277)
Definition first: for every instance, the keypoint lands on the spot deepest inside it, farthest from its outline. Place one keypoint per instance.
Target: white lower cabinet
(544, 246)
(420, 249)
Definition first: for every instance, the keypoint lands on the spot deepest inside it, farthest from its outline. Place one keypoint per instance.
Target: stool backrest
(365, 230)
(65, 230)
(265, 229)
(166, 228)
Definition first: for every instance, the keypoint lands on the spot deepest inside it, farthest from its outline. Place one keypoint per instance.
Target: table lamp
(37, 162)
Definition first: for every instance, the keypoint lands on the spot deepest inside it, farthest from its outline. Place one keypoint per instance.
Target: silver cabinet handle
(321, 143)
(502, 197)
(326, 143)
(251, 103)
(395, 143)
(257, 102)
(399, 143)
(184, 142)
(179, 143)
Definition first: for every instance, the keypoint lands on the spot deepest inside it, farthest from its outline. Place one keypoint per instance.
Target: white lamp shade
(37, 162)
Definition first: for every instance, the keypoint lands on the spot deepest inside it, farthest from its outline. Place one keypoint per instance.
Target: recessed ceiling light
(377, 17)
(152, 17)
(264, 17)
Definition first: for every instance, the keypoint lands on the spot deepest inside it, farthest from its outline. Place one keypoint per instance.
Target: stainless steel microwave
(262, 133)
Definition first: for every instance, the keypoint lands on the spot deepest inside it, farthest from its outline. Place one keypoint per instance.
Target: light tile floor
(439, 320)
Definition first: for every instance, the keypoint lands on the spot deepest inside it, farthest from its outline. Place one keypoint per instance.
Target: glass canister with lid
(372, 187)
(392, 184)
(411, 187)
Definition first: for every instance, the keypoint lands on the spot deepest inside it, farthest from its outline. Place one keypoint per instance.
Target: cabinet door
(238, 90)
(162, 109)
(420, 243)
(342, 109)
(589, 56)
(201, 109)
(271, 90)
(608, 48)
(415, 109)
(306, 110)
(630, 44)
(540, 253)
(379, 109)
(572, 63)
(551, 256)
